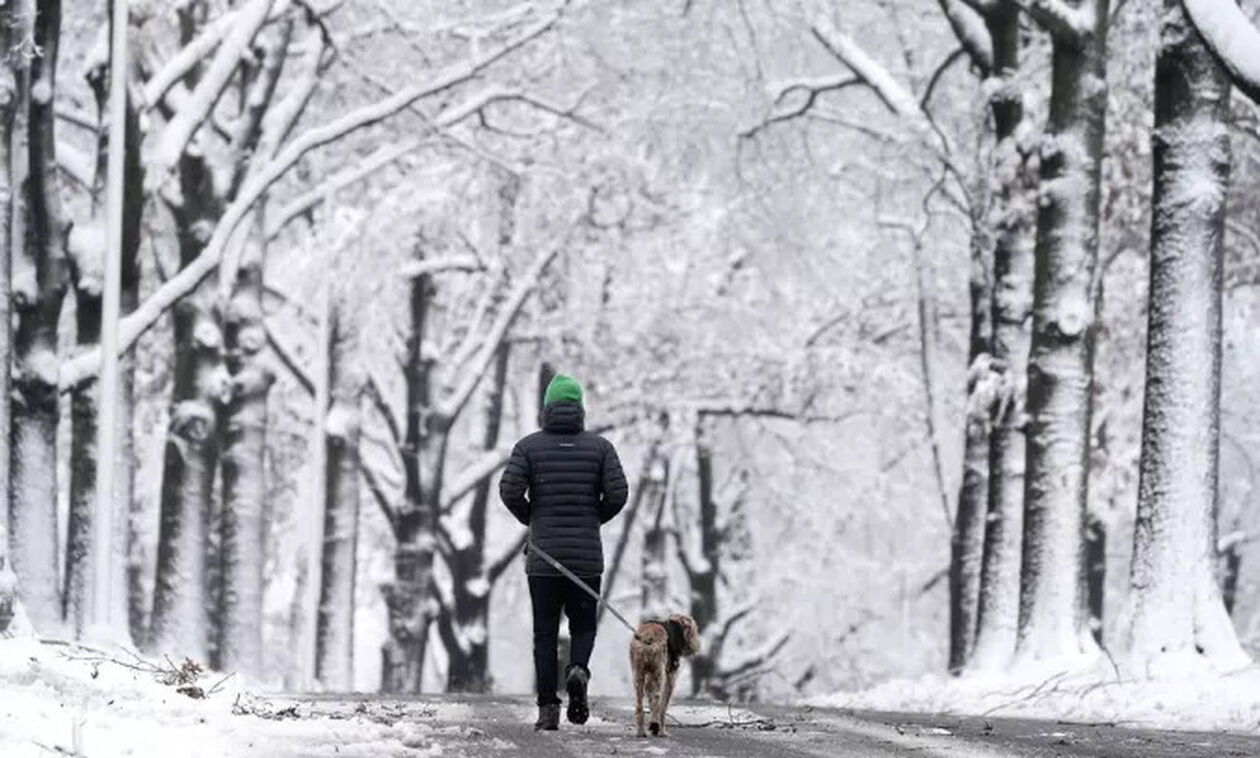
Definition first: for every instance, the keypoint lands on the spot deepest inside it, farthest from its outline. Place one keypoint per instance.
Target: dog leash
(588, 589)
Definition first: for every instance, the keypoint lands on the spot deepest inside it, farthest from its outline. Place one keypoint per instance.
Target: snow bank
(65, 699)
(1207, 702)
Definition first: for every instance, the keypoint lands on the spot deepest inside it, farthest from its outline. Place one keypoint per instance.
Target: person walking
(563, 483)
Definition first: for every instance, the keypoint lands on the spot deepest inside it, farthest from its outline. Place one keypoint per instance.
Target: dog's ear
(691, 633)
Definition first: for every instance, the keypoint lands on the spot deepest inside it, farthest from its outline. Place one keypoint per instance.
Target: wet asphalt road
(501, 726)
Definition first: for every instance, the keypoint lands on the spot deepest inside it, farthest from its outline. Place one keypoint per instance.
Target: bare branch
(937, 75)
(450, 409)
(501, 564)
(179, 131)
(85, 365)
(288, 357)
(373, 390)
(812, 87)
(736, 616)
(378, 493)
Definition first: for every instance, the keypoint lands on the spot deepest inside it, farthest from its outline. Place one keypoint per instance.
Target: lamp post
(99, 609)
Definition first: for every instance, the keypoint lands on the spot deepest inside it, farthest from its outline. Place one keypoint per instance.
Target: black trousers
(549, 595)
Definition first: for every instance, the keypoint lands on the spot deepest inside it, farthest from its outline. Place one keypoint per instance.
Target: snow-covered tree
(1053, 622)
(39, 286)
(1178, 619)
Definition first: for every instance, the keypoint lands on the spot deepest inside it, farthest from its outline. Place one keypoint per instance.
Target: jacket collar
(676, 640)
(564, 417)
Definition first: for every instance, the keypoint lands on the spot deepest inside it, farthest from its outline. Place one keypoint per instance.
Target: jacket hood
(564, 417)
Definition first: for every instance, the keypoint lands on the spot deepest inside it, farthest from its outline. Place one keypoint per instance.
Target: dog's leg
(669, 693)
(657, 698)
(636, 673)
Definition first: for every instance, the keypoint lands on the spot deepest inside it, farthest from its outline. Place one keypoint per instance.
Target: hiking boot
(576, 681)
(548, 718)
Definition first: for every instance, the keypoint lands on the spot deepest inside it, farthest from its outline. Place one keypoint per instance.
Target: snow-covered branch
(379, 159)
(179, 131)
(430, 266)
(452, 406)
(1232, 38)
(85, 365)
(972, 32)
(895, 96)
(178, 66)
(1059, 18)
(468, 479)
(891, 93)
(756, 658)
(75, 164)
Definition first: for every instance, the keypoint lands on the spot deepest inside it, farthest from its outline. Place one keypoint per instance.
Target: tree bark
(409, 598)
(334, 637)
(1052, 616)
(1013, 226)
(1178, 619)
(38, 297)
(243, 523)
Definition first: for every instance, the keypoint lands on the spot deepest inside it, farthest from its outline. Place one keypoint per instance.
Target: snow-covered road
(61, 699)
(487, 726)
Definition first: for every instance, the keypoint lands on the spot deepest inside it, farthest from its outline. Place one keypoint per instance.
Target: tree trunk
(655, 587)
(967, 540)
(409, 598)
(181, 624)
(334, 637)
(468, 668)
(967, 537)
(1178, 619)
(243, 524)
(1013, 224)
(1095, 574)
(1053, 621)
(652, 477)
(39, 291)
(703, 574)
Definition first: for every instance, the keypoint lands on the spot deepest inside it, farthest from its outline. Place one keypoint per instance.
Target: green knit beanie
(561, 388)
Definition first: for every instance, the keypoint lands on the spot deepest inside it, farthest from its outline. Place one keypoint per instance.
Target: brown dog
(655, 651)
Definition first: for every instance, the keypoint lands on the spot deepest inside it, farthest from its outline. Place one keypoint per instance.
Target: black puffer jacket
(563, 483)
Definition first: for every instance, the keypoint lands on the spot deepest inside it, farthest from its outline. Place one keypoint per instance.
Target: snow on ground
(1205, 702)
(64, 699)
